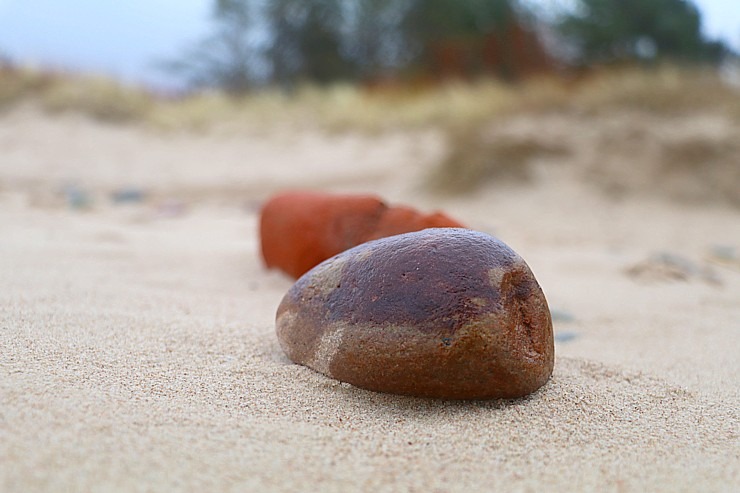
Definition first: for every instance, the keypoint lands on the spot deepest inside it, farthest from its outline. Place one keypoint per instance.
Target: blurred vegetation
(458, 67)
(616, 106)
(397, 46)
(102, 98)
(608, 31)
(457, 107)
(664, 131)
(226, 59)
(255, 43)
(289, 43)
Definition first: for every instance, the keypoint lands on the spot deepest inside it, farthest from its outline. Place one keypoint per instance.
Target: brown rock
(446, 313)
(298, 230)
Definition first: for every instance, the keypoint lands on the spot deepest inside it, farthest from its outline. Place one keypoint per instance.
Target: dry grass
(101, 98)
(98, 97)
(665, 91)
(336, 108)
(692, 166)
(19, 84)
(470, 117)
(475, 157)
(668, 90)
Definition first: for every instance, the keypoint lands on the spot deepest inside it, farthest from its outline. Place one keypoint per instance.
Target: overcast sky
(125, 39)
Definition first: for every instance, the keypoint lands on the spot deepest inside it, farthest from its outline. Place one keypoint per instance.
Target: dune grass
(463, 112)
(667, 90)
(98, 97)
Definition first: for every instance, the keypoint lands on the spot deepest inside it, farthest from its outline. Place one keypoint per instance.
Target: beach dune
(139, 349)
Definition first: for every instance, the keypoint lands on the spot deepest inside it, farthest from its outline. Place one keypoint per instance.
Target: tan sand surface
(138, 347)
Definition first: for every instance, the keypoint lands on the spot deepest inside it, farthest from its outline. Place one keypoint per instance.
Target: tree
(374, 38)
(325, 41)
(306, 41)
(605, 31)
(464, 38)
(431, 19)
(230, 58)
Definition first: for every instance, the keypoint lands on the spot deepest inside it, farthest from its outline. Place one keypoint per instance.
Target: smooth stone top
(447, 313)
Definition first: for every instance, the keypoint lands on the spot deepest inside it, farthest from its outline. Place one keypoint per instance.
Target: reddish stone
(299, 230)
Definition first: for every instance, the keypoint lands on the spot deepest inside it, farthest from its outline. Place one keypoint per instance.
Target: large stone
(298, 230)
(446, 313)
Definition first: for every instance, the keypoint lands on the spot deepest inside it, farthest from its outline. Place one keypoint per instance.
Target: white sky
(125, 39)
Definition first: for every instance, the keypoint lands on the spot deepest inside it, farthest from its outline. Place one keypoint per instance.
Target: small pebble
(724, 252)
(76, 197)
(724, 255)
(565, 336)
(445, 313)
(562, 316)
(127, 195)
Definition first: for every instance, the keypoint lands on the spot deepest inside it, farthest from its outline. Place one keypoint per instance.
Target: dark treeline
(285, 42)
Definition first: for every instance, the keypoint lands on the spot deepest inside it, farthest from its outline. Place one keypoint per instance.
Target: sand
(138, 345)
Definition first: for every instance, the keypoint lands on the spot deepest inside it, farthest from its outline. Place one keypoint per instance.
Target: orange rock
(299, 230)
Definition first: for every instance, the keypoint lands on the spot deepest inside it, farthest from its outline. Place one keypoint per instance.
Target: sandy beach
(137, 331)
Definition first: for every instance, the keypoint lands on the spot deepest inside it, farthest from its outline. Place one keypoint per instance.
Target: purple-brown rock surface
(444, 312)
